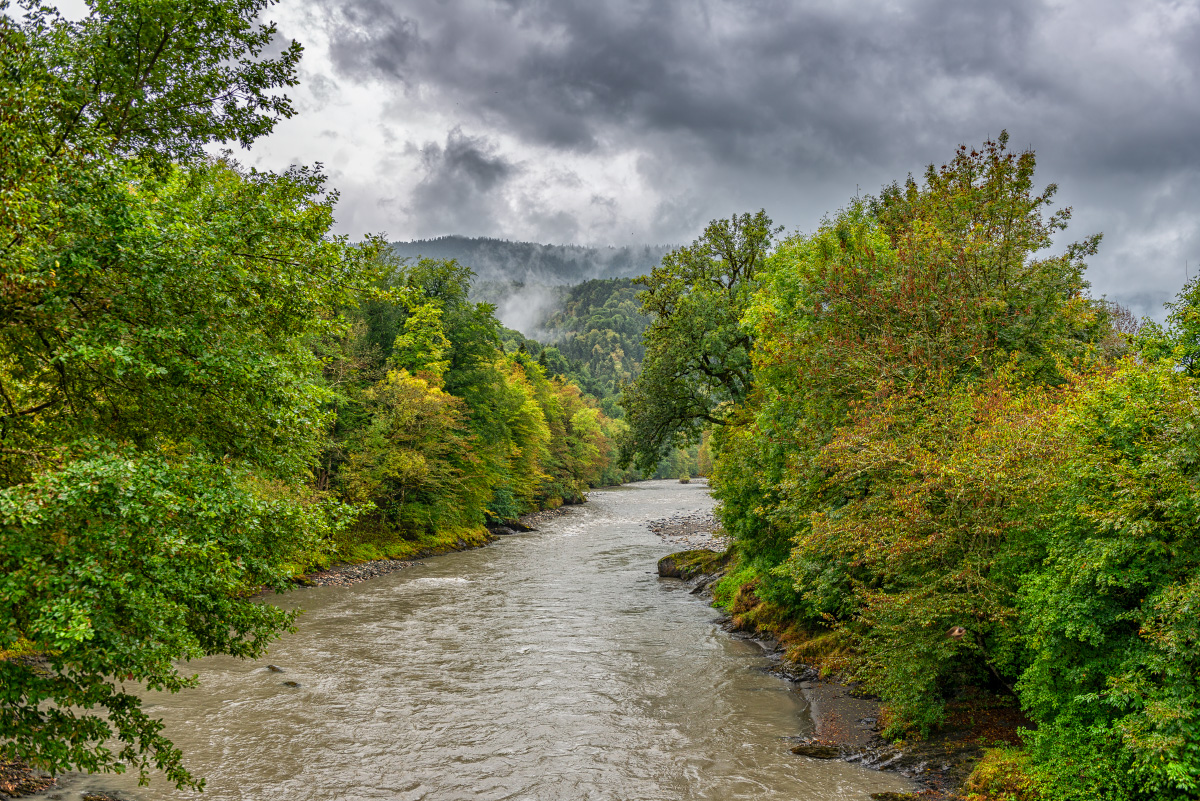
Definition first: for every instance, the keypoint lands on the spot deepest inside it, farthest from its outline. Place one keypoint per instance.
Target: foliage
(413, 460)
(935, 538)
(438, 427)
(697, 352)
(187, 316)
(1111, 616)
(880, 472)
(156, 79)
(948, 457)
(1003, 774)
(201, 387)
(971, 295)
(1179, 341)
(598, 332)
(161, 398)
(118, 565)
(500, 260)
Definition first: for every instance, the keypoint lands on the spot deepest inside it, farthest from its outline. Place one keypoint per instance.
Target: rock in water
(818, 751)
(689, 564)
(275, 668)
(291, 684)
(667, 568)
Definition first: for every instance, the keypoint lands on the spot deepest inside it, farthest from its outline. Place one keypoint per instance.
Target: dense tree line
(204, 392)
(947, 469)
(439, 429)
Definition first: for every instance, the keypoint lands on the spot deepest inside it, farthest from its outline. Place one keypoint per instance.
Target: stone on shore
(689, 564)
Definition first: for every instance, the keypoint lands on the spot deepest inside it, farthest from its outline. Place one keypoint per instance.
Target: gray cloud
(371, 37)
(792, 105)
(462, 185)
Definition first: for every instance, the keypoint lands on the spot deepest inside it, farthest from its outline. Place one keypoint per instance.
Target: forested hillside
(533, 263)
(948, 472)
(594, 336)
(203, 392)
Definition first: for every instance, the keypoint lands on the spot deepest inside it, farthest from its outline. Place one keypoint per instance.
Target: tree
(1113, 678)
(1179, 341)
(907, 342)
(414, 461)
(697, 351)
(157, 79)
(160, 400)
(115, 567)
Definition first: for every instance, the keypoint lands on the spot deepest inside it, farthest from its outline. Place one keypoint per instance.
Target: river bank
(17, 779)
(847, 721)
(352, 572)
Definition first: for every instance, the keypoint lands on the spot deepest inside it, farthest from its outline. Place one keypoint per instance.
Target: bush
(1004, 774)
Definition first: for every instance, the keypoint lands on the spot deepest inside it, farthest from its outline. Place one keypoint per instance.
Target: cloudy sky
(630, 121)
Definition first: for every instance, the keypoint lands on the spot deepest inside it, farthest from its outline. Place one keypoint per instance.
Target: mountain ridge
(505, 260)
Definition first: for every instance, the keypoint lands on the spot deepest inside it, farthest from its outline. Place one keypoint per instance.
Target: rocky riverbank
(846, 720)
(692, 531)
(343, 575)
(18, 779)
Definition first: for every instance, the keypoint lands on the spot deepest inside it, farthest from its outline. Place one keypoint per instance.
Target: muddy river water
(551, 665)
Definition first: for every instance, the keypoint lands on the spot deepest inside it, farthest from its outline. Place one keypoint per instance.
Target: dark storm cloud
(369, 36)
(746, 80)
(773, 99)
(462, 184)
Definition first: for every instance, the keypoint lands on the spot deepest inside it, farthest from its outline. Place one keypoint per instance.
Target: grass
(372, 539)
(1004, 774)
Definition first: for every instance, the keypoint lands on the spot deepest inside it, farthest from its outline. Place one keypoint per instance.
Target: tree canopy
(948, 471)
(203, 392)
(697, 352)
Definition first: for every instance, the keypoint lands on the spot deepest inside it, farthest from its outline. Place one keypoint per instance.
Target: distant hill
(527, 281)
(500, 260)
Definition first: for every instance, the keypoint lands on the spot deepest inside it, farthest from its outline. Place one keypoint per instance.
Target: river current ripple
(551, 665)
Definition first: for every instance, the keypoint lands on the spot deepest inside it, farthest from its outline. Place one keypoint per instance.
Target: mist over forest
(530, 262)
(526, 281)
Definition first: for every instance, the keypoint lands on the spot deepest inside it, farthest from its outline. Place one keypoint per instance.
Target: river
(551, 665)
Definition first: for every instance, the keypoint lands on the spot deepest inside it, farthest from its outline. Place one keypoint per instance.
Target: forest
(205, 393)
(949, 473)
(532, 262)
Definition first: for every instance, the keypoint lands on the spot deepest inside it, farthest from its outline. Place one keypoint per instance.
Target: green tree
(156, 79)
(1179, 340)
(160, 394)
(697, 351)
(1110, 616)
(414, 461)
(899, 346)
(116, 566)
